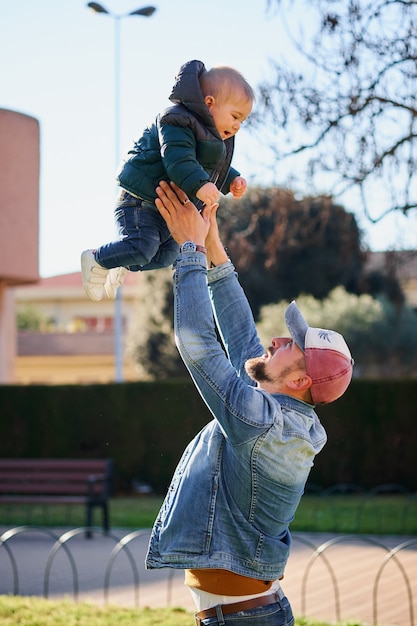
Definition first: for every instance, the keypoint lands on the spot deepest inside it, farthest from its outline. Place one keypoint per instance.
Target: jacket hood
(187, 91)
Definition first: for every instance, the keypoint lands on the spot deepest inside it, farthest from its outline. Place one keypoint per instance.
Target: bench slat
(75, 477)
(44, 488)
(57, 481)
(55, 464)
(6, 499)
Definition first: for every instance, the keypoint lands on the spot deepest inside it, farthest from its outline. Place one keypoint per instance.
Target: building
(77, 341)
(400, 264)
(77, 344)
(19, 211)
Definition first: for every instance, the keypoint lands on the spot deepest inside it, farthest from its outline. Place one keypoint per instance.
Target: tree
(282, 246)
(31, 319)
(350, 106)
(378, 333)
(150, 338)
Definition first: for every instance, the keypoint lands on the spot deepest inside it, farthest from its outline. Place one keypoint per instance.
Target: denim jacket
(239, 481)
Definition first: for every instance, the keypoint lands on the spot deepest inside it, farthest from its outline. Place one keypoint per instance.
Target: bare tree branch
(351, 108)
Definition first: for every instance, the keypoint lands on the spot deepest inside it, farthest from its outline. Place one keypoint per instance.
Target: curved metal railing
(19, 550)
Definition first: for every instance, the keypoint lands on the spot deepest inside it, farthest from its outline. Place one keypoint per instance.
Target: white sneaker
(93, 276)
(114, 280)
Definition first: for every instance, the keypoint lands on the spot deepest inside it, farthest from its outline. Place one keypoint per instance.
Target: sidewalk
(349, 578)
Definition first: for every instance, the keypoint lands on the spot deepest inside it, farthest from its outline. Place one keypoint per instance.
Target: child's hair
(222, 81)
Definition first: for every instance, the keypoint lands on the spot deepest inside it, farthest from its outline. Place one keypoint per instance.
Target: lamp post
(118, 312)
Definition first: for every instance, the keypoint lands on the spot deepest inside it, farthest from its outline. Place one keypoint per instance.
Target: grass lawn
(388, 514)
(361, 514)
(384, 515)
(25, 611)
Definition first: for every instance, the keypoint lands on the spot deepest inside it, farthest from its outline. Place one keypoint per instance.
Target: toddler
(191, 143)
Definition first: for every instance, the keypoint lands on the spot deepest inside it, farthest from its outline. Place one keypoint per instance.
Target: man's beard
(256, 369)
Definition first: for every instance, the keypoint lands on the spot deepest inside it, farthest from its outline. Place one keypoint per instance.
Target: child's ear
(209, 100)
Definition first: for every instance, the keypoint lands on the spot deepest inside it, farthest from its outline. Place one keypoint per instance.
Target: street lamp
(118, 313)
(98, 8)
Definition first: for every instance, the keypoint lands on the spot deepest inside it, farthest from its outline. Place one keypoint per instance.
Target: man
(235, 491)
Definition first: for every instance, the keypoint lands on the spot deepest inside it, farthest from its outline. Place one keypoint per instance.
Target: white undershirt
(205, 600)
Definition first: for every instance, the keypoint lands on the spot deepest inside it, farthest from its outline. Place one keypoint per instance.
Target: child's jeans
(145, 242)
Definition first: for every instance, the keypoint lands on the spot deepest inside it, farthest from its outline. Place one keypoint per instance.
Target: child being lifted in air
(191, 143)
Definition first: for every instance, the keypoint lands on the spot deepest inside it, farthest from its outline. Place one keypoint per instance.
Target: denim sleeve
(240, 408)
(234, 318)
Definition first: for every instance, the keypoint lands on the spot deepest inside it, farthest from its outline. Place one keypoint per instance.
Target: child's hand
(208, 193)
(238, 187)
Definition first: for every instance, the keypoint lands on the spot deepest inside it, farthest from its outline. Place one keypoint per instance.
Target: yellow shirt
(225, 583)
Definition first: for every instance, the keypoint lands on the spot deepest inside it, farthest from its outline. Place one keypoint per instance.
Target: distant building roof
(404, 262)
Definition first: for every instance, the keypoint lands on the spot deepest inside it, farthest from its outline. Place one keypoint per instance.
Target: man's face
(282, 359)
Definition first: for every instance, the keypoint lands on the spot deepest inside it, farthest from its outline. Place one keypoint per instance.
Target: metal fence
(366, 578)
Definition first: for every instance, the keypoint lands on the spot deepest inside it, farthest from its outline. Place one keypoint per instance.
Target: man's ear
(301, 383)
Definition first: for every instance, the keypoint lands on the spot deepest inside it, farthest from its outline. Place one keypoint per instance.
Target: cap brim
(296, 324)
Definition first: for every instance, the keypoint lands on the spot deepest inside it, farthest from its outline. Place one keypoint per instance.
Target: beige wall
(7, 334)
(67, 353)
(70, 369)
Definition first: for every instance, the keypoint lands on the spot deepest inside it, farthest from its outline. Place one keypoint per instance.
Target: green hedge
(372, 436)
(144, 427)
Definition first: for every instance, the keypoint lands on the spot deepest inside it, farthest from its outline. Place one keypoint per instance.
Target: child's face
(228, 114)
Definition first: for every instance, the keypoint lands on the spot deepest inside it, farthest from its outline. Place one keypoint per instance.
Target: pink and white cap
(328, 360)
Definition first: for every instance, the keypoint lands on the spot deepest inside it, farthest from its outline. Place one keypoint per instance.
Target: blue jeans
(145, 242)
(277, 614)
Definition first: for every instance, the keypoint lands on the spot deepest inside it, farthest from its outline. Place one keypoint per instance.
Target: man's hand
(181, 216)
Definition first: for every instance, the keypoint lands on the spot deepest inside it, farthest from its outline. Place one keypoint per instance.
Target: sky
(57, 64)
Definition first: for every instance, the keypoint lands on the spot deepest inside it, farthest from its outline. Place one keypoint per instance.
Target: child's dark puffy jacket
(183, 145)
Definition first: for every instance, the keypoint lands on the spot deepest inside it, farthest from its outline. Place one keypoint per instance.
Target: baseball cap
(328, 360)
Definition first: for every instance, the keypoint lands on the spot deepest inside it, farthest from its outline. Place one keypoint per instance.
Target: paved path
(348, 578)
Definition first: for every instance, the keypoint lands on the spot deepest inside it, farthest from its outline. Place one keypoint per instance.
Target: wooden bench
(58, 481)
